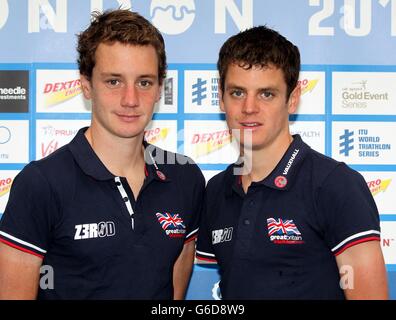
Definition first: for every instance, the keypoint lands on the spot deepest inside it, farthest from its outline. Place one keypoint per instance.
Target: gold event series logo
(155, 135)
(58, 92)
(379, 185)
(206, 143)
(5, 186)
(307, 85)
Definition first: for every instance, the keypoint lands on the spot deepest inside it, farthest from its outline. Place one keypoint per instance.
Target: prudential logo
(172, 17)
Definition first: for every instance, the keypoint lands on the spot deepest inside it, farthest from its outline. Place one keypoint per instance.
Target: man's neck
(262, 162)
(122, 157)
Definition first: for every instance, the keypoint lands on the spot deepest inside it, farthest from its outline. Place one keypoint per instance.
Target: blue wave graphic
(183, 10)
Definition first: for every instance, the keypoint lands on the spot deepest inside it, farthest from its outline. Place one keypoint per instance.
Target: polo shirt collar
(90, 163)
(283, 175)
(153, 170)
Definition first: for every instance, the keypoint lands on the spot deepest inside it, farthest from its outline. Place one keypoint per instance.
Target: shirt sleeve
(197, 192)
(205, 250)
(350, 215)
(25, 224)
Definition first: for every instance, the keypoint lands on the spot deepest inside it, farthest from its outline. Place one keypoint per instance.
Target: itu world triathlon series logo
(281, 231)
(363, 144)
(172, 17)
(172, 224)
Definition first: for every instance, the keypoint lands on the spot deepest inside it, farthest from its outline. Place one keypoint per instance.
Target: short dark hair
(118, 26)
(260, 46)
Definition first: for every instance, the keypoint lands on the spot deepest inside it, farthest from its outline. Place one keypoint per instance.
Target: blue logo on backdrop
(172, 17)
(198, 93)
(346, 142)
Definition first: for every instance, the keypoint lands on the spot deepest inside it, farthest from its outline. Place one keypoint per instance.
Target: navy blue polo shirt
(76, 215)
(280, 239)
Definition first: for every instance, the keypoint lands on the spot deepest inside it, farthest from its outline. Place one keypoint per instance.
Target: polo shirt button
(251, 203)
(118, 183)
(246, 222)
(126, 199)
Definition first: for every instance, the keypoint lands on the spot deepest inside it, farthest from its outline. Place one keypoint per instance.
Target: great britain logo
(282, 231)
(172, 224)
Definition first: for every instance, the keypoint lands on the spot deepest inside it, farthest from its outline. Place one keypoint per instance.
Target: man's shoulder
(324, 168)
(222, 179)
(53, 167)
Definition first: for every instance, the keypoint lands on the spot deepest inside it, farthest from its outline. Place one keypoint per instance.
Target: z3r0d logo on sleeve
(94, 230)
(172, 224)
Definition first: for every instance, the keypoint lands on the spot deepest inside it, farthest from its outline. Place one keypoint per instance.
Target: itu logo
(346, 143)
(198, 91)
(172, 17)
(5, 135)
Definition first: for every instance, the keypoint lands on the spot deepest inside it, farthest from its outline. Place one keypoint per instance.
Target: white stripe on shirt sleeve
(27, 244)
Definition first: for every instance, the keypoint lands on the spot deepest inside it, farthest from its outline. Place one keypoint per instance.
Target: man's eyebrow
(235, 86)
(115, 74)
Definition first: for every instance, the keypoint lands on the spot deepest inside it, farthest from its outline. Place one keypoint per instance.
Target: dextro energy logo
(368, 146)
(14, 91)
(378, 185)
(155, 135)
(307, 85)
(358, 95)
(5, 185)
(205, 143)
(172, 17)
(58, 92)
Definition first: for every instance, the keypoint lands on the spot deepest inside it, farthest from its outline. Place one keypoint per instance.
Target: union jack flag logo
(171, 221)
(282, 227)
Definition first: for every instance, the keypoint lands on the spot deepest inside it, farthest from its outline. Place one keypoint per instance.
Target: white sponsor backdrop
(59, 91)
(348, 81)
(52, 134)
(313, 85)
(14, 141)
(364, 93)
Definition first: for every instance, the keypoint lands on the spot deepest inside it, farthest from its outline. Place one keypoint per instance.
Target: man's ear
(86, 87)
(294, 100)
